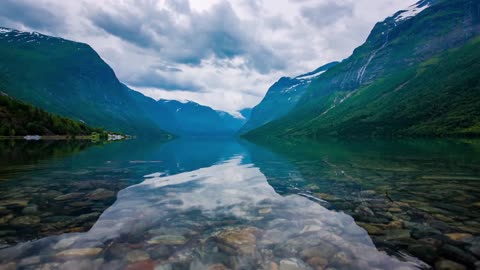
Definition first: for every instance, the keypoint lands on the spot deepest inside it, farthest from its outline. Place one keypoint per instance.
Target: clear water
(228, 204)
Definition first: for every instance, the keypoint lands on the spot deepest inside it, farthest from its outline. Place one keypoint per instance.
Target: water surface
(226, 204)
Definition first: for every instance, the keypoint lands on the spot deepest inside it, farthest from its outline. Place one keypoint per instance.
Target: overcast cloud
(220, 53)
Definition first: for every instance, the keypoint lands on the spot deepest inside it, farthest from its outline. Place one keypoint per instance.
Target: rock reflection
(225, 216)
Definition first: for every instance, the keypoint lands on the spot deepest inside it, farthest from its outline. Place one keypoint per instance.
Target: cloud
(184, 36)
(325, 14)
(163, 78)
(221, 53)
(180, 6)
(28, 14)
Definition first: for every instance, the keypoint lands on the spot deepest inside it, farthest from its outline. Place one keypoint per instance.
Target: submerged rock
(241, 240)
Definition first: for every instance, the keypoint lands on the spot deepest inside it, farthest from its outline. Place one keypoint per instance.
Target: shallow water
(226, 204)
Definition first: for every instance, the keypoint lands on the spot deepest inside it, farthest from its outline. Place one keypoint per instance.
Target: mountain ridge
(69, 78)
(281, 98)
(393, 46)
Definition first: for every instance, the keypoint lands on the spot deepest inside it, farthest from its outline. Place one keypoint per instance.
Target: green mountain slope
(18, 119)
(389, 86)
(281, 98)
(439, 97)
(70, 79)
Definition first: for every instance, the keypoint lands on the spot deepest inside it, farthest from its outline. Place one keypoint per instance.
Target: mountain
(416, 75)
(19, 119)
(246, 113)
(281, 98)
(192, 119)
(70, 79)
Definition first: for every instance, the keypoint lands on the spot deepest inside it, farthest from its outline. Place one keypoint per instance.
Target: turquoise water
(232, 204)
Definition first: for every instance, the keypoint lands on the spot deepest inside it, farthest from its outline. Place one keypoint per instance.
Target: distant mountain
(416, 75)
(246, 113)
(70, 79)
(192, 119)
(19, 119)
(281, 98)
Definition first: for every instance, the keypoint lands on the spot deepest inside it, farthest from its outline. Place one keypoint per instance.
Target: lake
(234, 204)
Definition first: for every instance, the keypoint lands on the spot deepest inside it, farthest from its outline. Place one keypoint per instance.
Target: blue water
(232, 204)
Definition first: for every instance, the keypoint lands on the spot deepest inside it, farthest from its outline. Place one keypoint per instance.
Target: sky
(220, 53)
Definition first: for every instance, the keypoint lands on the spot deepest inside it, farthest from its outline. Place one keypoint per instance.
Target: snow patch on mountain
(307, 77)
(412, 11)
(5, 30)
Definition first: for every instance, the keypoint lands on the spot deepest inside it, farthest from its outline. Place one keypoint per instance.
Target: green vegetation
(18, 119)
(70, 79)
(439, 97)
(417, 77)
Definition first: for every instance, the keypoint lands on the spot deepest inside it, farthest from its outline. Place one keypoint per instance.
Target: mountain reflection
(220, 216)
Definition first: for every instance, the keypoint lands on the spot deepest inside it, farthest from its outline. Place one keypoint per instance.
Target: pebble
(141, 265)
(317, 262)
(459, 236)
(371, 229)
(14, 203)
(3, 210)
(100, 194)
(168, 240)
(137, 255)
(25, 221)
(8, 266)
(217, 266)
(457, 254)
(265, 211)
(342, 259)
(324, 250)
(396, 234)
(5, 219)
(29, 261)
(79, 252)
(290, 264)
(69, 196)
(30, 209)
(65, 243)
(448, 265)
(394, 210)
(164, 267)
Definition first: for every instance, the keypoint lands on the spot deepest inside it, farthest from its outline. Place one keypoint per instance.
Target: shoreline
(58, 138)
